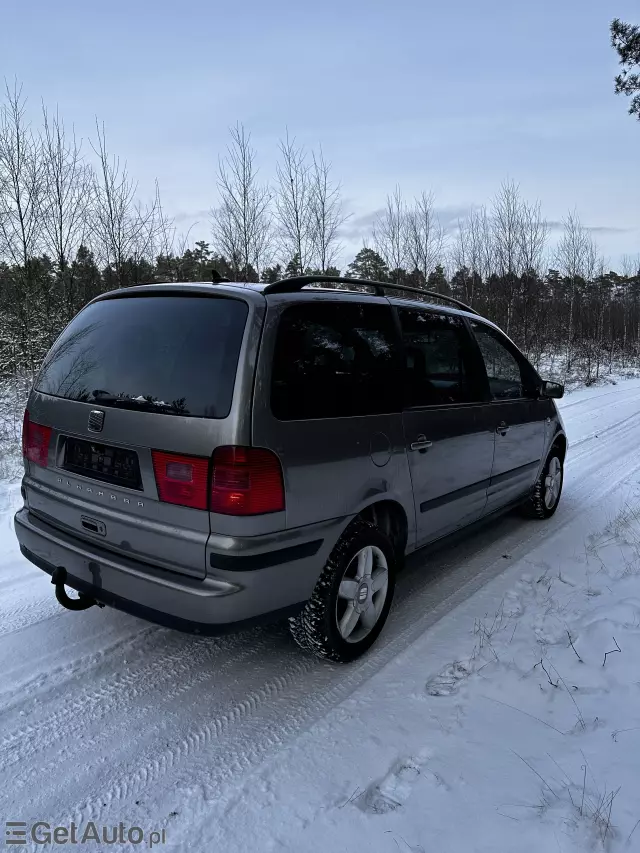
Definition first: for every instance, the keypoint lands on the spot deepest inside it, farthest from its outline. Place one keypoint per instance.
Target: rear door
(136, 394)
(330, 407)
(448, 441)
(515, 414)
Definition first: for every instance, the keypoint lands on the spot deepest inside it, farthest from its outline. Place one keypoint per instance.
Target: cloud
(191, 215)
(558, 225)
(360, 227)
(607, 229)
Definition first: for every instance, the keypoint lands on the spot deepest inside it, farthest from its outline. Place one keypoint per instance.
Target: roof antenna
(216, 278)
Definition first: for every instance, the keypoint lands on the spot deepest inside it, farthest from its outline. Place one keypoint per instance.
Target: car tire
(545, 497)
(352, 598)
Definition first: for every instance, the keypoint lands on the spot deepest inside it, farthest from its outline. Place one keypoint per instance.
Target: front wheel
(352, 598)
(548, 488)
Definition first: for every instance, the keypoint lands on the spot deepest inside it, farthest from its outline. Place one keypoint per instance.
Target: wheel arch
(560, 441)
(390, 517)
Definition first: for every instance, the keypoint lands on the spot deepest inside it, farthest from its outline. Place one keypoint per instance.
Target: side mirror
(552, 389)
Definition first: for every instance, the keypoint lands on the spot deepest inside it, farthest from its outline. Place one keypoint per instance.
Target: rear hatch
(125, 415)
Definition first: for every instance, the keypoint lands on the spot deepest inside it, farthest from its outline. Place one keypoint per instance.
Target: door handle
(422, 444)
(503, 429)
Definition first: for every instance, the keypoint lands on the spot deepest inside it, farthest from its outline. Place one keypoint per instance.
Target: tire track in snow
(237, 761)
(159, 682)
(617, 430)
(630, 394)
(256, 719)
(13, 693)
(24, 614)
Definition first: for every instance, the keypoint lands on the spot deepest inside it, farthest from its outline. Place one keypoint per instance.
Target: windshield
(174, 355)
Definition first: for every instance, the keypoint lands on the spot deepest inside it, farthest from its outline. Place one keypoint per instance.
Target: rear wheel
(351, 600)
(548, 488)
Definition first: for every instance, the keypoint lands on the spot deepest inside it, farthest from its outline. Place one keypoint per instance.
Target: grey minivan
(207, 456)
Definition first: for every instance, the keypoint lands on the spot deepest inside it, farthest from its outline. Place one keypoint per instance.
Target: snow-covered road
(107, 718)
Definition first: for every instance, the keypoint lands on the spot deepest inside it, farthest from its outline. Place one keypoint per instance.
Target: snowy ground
(496, 714)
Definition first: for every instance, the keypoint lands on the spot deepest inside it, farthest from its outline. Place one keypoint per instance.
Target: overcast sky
(452, 97)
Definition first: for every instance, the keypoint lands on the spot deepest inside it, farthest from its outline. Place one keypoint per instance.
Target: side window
(507, 378)
(437, 369)
(335, 360)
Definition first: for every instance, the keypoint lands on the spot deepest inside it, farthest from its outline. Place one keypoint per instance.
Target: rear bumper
(231, 597)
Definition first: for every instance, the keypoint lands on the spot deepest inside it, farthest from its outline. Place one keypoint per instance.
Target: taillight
(35, 441)
(181, 479)
(246, 481)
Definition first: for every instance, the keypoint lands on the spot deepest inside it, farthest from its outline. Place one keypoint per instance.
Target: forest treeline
(73, 226)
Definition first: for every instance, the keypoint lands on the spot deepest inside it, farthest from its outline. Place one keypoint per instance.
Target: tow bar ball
(83, 602)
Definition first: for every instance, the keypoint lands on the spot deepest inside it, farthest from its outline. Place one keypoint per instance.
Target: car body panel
(206, 571)
(332, 466)
(135, 522)
(451, 477)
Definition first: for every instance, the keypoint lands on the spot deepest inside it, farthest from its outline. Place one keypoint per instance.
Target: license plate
(115, 465)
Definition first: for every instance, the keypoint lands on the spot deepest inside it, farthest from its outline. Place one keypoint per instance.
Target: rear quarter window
(335, 360)
(177, 355)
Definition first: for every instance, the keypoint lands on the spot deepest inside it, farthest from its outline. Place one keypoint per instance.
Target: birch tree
(242, 223)
(390, 233)
(576, 256)
(64, 203)
(121, 226)
(425, 237)
(294, 206)
(327, 215)
(21, 181)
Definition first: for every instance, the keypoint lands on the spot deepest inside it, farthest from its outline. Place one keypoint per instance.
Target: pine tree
(86, 276)
(398, 275)
(271, 274)
(437, 280)
(625, 39)
(368, 264)
(293, 268)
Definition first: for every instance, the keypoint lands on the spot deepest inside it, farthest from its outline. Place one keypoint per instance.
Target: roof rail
(296, 283)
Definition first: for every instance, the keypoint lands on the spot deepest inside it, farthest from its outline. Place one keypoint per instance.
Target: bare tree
(327, 214)
(576, 256)
(390, 232)
(506, 215)
(533, 237)
(630, 269)
(425, 239)
(533, 233)
(20, 181)
(20, 220)
(164, 230)
(519, 235)
(64, 202)
(154, 235)
(241, 224)
(474, 250)
(294, 206)
(506, 219)
(122, 227)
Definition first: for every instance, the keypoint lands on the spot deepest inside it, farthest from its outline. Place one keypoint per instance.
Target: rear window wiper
(103, 398)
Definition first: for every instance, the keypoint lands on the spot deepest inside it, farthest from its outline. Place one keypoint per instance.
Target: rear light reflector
(181, 480)
(35, 441)
(246, 481)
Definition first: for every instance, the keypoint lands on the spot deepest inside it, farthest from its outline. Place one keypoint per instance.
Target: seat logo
(96, 420)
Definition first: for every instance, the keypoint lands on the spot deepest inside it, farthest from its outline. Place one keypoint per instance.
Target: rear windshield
(175, 355)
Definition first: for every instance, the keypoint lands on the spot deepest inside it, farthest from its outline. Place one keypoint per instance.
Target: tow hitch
(83, 602)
